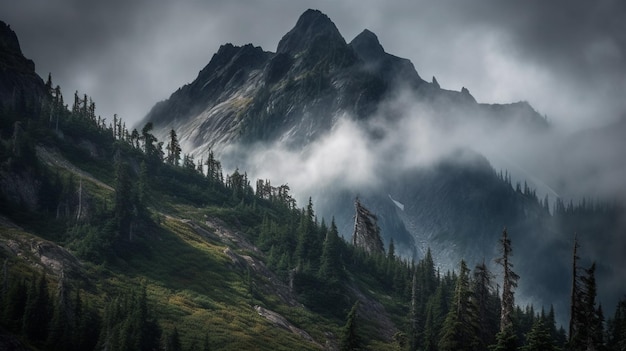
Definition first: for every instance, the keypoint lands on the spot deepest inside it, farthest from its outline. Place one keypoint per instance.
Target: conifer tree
(616, 328)
(37, 312)
(14, 305)
(460, 329)
(539, 338)
(173, 149)
(509, 282)
(350, 339)
(330, 265)
(487, 305)
(173, 341)
(506, 339)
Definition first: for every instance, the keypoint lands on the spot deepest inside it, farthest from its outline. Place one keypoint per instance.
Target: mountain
(443, 194)
(20, 86)
(298, 93)
(108, 244)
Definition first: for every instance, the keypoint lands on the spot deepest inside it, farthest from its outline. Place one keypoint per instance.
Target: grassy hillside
(189, 243)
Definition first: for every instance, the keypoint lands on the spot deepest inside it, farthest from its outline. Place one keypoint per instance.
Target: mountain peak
(312, 26)
(367, 45)
(8, 40)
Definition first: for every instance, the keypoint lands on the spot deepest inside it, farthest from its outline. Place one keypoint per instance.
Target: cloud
(566, 58)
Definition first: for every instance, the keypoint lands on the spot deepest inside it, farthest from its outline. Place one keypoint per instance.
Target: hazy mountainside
(421, 146)
(108, 241)
(298, 93)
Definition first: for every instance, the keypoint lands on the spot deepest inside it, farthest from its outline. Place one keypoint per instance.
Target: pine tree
(436, 311)
(330, 264)
(509, 282)
(37, 312)
(205, 344)
(460, 328)
(506, 338)
(586, 325)
(173, 149)
(15, 305)
(173, 341)
(616, 328)
(539, 338)
(350, 339)
(486, 304)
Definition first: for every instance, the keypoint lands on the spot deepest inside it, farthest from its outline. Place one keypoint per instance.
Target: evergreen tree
(350, 339)
(460, 328)
(509, 282)
(60, 337)
(173, 341)
(486, 304)
(37, 312)
(15, 305)
(586, 324)
(506, 338)
(123, 209)
(414, 335)
(539, 338)
(173, 149)
(205, 344)
(616, 328)
(436, 311)
(330, 264)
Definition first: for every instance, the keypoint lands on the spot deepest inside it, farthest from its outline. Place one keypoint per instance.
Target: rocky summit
(299, 92)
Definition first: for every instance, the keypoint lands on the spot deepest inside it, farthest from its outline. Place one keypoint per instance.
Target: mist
(363, 155)
(367, 156)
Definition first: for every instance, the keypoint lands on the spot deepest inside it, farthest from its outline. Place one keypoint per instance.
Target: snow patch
(397, 203)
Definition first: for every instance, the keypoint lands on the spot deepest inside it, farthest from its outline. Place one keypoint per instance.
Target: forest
(116, 227)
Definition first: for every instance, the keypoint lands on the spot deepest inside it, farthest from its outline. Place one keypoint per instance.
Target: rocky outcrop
(282, 322)
(20, 86)
(366, 233)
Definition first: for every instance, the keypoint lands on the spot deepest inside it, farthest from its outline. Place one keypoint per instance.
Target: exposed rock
(55, 257)
(42, 253)
(373, 311)
(366, 233)
(391, 69)
(312, 27)
(436, 83)
(282, 322)
(270, 283)
(18, 80)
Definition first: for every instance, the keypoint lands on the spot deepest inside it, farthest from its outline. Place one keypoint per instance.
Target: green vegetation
(176, 255)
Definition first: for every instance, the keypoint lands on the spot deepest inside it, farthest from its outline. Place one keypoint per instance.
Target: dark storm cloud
(567, 58)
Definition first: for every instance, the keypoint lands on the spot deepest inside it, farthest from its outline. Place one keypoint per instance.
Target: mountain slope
(298, 93)
(416, 142)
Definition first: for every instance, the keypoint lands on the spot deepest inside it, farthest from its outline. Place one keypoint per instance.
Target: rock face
(19, 84)
(366, 233)
(314, 80)
(297, 94)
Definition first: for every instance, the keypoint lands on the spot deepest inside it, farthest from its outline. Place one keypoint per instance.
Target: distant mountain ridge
(299, 92)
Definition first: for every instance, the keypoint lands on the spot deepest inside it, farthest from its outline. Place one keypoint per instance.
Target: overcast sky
(567, 58)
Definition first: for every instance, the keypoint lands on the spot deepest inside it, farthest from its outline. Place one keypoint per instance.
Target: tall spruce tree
(173, 149)
(506, 338)
(37, 311)
(539, 338)
(487, 305)
(330, 264)
(460, 328)
(350, 338)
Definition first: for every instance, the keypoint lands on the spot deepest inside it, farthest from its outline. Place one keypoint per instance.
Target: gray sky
(567, 58)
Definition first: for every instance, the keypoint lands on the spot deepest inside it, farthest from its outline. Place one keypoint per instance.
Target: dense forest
(112, 211)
